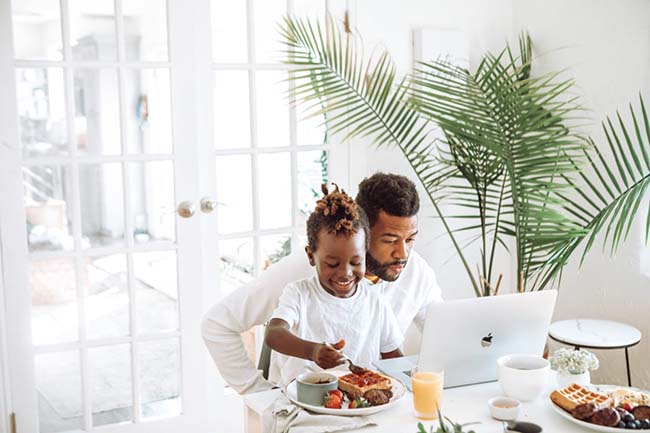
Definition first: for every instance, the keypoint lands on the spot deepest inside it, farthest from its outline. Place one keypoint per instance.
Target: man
(408, 283)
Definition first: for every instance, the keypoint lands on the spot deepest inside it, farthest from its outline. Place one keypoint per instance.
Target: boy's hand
(326, 356)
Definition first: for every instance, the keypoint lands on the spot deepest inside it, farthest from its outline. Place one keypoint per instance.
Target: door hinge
(12, 423)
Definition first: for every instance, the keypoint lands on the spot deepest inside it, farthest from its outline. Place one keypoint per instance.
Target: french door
(150, 163)
(99, 270)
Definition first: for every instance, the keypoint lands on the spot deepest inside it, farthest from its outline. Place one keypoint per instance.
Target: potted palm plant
(508, 162)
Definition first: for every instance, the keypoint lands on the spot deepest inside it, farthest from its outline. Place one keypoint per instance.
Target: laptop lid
(465, 337)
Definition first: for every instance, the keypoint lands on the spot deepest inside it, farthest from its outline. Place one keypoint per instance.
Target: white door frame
(4, 365)
(14, 242)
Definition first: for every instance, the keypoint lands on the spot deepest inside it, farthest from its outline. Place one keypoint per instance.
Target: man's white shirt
(254, 303)
(364, 320)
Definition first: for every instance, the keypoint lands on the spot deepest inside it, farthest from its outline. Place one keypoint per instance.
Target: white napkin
(285, 417)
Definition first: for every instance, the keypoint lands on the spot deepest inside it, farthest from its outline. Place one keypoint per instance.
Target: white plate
(399, 391)
(585, 424)
(595, 427)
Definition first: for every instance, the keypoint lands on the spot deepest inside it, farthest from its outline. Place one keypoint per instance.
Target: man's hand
(327, 356)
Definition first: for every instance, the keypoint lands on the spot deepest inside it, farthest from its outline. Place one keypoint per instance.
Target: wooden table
(463, 404)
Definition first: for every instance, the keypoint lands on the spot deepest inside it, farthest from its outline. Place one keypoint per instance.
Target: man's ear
(310, 255)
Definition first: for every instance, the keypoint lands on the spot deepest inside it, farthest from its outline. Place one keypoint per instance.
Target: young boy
(337, 305)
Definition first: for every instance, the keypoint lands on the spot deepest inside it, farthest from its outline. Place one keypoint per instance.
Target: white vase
(564, 380)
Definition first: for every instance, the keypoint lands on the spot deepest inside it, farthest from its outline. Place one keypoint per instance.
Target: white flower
(569, 361)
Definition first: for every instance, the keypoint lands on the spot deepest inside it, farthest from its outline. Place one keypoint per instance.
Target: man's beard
(380, 269)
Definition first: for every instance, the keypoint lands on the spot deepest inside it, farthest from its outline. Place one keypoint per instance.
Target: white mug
(523, 377)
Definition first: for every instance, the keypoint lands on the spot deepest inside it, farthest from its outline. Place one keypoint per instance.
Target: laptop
(465, 337)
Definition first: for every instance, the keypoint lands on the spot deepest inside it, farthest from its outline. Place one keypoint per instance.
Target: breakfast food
(641, 412)
(623, 396)
(622, 408)
(334, 399)
(377, 397)
(358, 391)
(574, 395)
(357, 385)
(608, 417)
(584, 411)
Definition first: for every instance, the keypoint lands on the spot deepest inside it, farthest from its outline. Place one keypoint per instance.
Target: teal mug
(312, 387)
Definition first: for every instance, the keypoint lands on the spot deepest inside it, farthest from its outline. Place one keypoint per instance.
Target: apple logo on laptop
(487, 340)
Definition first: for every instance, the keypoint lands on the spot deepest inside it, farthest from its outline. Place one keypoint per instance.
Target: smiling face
(391, 242)
(339, 261)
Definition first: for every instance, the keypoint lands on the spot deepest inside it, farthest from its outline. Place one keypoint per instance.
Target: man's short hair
(394, 194)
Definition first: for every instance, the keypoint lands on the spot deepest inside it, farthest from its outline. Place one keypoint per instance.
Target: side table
(596, 334)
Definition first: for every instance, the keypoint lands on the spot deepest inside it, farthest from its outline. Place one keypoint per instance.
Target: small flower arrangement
(569, 361)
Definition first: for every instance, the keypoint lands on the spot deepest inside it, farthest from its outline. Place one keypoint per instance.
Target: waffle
(574, 395)
(358, 384)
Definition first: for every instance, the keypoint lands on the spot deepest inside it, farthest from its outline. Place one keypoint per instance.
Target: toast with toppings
(356, 385)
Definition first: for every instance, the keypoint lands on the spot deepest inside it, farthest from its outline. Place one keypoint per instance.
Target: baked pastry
(574, 395)
(356, 385)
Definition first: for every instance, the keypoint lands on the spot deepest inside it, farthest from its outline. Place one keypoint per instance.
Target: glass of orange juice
(427, 392)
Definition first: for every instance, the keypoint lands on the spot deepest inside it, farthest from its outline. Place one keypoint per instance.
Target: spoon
(355, 369)
(521, 427)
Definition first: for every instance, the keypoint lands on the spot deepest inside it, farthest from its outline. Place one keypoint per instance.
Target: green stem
(496, 228)
(481, 207)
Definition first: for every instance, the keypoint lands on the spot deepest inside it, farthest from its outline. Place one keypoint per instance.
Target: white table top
(464, 404)
(603, 334)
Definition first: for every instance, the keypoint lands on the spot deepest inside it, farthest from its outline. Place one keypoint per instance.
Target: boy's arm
(281, 339)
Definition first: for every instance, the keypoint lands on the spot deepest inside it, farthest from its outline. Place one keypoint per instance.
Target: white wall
(605, 46)
(383, 24)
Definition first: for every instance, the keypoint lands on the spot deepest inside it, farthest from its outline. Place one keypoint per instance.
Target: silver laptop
(465, 337)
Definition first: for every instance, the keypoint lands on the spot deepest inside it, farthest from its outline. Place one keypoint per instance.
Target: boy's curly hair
(394, 194)
(338, 213)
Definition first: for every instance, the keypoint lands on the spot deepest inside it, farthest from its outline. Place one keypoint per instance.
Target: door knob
(208, 205)
(186, 209)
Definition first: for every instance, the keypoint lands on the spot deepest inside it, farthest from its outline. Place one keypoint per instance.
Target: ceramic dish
(399, 391)
(595, 427)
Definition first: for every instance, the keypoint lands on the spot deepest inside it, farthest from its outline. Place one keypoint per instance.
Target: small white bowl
(504, 408)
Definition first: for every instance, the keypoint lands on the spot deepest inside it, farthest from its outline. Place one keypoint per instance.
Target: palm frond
(508, 121)
(362, 97)
(607, 197)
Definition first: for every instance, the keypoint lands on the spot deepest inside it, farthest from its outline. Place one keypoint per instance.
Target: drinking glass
(427, 392)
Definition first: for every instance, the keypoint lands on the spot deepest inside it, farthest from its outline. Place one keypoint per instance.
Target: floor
(57, 373)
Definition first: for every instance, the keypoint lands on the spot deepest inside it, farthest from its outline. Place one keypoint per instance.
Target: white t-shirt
(364, 320)
(253, 304)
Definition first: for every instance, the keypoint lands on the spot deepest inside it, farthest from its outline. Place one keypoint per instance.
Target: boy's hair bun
(338, 213)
